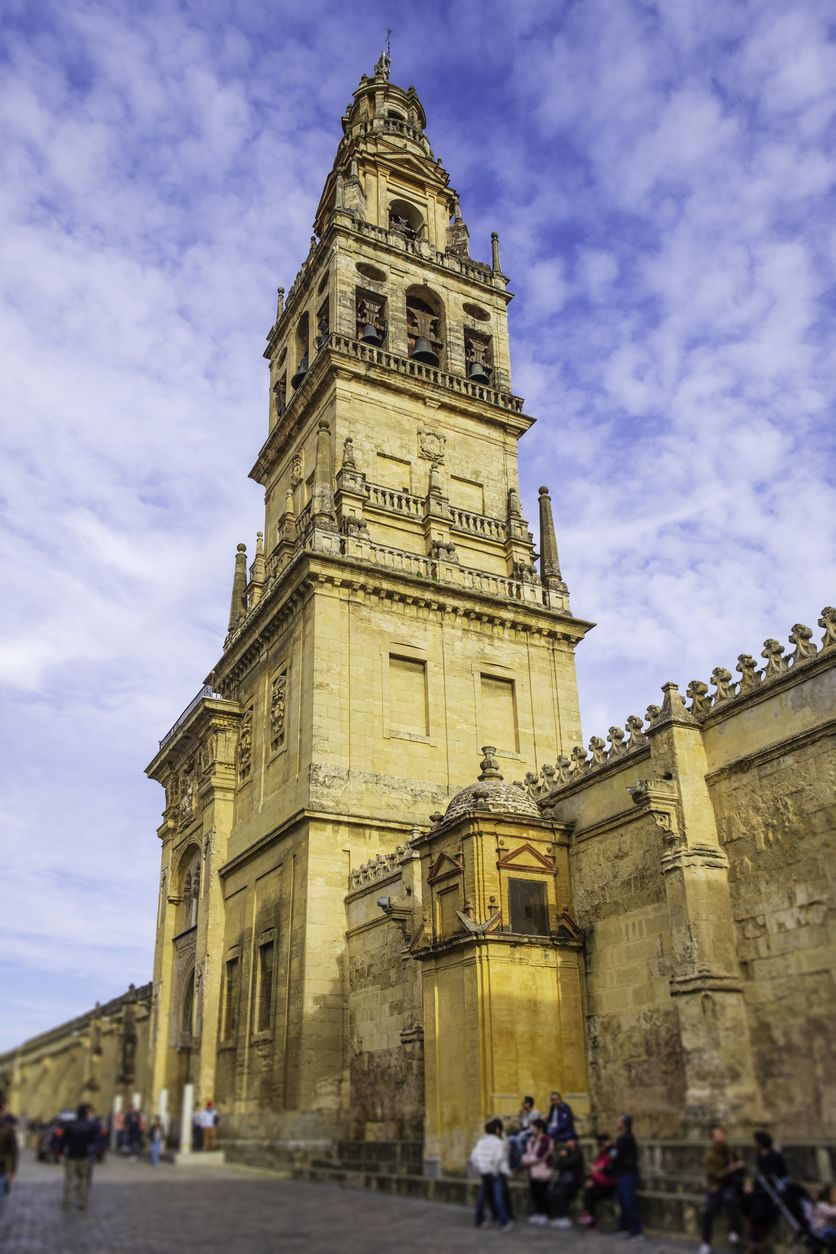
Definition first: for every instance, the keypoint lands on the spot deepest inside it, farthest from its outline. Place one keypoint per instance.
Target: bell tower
(392, 621)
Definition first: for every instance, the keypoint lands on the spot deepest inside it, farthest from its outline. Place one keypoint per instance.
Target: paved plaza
(137, 1209)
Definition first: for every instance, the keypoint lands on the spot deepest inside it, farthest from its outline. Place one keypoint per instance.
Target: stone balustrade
(413, 369)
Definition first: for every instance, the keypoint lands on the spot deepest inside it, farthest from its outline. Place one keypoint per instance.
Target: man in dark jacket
(560, 1120)
(625, 1165)
(724, 1173)
(8, 1150)
(77, 1141)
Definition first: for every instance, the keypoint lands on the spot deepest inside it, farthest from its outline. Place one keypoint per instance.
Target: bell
(371, 335)
(476, 373)
(424, 351)
(301, 371)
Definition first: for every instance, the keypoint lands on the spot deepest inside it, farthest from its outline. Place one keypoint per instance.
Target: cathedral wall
(86, 1059)
(768, 797)
(385, 1041)
(635, 1052)
(776, 818)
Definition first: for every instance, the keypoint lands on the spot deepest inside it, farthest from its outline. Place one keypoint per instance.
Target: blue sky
(662, 178)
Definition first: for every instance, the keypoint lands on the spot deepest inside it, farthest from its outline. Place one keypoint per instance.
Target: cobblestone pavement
(137, 1209)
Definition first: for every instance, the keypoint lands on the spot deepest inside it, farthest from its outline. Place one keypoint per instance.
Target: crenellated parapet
(380, 867)
(777, 663)
(621, 744)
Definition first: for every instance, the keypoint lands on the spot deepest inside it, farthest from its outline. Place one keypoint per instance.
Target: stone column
(186, 1113)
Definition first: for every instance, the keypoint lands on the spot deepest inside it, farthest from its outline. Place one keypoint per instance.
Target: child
(490, 1160)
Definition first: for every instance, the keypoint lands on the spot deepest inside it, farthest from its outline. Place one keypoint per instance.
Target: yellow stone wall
(706, 897)
(83, 1060)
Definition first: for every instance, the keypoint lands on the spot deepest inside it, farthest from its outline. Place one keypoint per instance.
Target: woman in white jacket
(490, 1160)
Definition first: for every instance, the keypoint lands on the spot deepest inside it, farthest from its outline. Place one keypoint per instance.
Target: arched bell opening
(478, 355)
(406, 220)
(302, 351)
(424, 326)
(371, 317)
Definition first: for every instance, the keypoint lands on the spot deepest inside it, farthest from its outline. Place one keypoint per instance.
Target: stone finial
(633, 727)
(722, 680)
(562, 769)
(673, 707)
(805, 650)
(700, 700)
(579, 762)
(496, 266)
(549, 560)
(596, 748)
(489, 765)
(750, 676)
(531, 784)
(238, 604)
(279, 303)
(616, 736)
(436, 817)
(514, 506)
(776, 664)
(828, 623)
(651, 714)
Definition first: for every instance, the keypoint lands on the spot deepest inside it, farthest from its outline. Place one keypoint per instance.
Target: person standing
(560, 1119)
(76, 1143)
(156, 1141)
(133, 1132)
(490, 1159)
(208, 1117)
(770, 1173)
(625, 1162)
(723, 1172)
(8, 1151)
(537, 1157)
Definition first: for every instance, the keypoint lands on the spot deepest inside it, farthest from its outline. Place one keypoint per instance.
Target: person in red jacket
(600, 1182)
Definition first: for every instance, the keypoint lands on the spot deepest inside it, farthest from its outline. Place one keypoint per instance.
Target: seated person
(600, 1182)
(568, 1167)
(517, 1140)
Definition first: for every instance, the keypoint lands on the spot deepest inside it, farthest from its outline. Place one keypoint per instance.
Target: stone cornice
(309, 571)
(208, 714)
(771, 751)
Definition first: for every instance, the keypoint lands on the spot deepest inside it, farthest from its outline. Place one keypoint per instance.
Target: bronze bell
(371, 335)
(301, 371)
(423, 350)
(476, 373)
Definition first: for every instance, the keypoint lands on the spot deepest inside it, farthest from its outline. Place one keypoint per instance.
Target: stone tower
(392, 622)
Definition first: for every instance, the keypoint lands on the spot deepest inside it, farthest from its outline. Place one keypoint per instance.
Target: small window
(231, 993)
(266, 953)
(448, 921)
(528, 906)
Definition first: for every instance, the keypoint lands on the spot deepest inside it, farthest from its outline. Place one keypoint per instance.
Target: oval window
(371, 272)
(474, 311)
